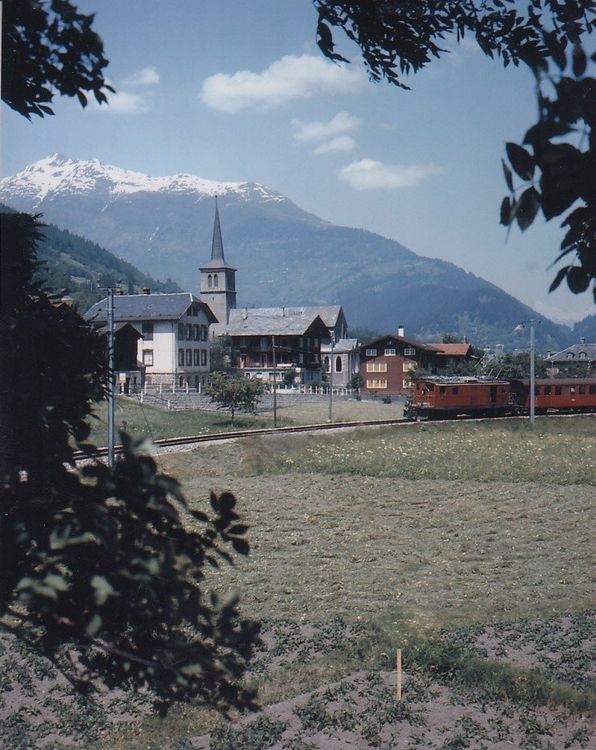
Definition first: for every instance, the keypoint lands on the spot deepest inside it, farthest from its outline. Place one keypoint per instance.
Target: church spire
(217, 251)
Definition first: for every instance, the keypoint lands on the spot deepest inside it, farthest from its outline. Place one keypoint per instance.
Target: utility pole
(274, 382)
(330, 419)
(532, 371)
(111, 378)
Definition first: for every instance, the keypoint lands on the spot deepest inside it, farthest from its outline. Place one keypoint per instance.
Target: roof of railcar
(447, 380)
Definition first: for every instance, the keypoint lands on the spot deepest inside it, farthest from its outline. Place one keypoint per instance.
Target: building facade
(174, 344)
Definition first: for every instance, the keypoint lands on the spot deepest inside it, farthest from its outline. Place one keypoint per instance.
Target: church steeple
(217, 251)
(217, 278)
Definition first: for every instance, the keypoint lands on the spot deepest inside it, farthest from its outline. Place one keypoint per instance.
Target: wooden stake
(398, 670)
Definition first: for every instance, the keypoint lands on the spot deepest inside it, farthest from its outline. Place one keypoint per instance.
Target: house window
(407, 366)
(189, 357)
(570, 355)
(409, 351)
(376, 367)
(338, 364)
(390, 352)
(371, 352)
(376, 383)
(203, 333)
(196, 358)
(147, 330)
(204, 357)
(582, 355)
(148, 357)
(181, 357)
(406, 384)
(209, 281)
(327, 366)
(196, 333)
(215, 280)
(180, 331)
(188, 332)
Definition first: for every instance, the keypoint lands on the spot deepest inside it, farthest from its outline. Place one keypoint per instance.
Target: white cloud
(341, 143)
(286, 79)
(143, 77)
(343, 122)
(124, 103)
(368, 174)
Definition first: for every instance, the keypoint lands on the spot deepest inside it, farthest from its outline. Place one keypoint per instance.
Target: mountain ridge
(284, 255)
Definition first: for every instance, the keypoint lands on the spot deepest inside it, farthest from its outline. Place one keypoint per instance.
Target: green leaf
(521, 161)
(527, 208)
(56, 582)
(93, 626)
(103, 589)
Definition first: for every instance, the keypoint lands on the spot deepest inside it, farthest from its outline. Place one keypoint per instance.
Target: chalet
(174, 348)
(269, 342)
(386, 361)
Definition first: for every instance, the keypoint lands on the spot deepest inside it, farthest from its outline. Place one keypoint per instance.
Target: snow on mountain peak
(58, 174)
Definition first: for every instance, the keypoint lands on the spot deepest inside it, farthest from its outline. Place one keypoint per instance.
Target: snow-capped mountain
(284, 255)
(58, 175)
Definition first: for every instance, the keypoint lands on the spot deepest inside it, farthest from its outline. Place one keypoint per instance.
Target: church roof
(147, 307)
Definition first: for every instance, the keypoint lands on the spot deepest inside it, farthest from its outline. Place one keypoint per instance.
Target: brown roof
(453, 350)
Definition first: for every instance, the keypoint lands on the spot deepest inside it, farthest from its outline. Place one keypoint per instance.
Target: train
(441, 397)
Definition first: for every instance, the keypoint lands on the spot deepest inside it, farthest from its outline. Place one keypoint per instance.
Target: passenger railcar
(555, 394)
(444, 397)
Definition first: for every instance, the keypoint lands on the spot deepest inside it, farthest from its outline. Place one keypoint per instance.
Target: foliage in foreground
(105, 564)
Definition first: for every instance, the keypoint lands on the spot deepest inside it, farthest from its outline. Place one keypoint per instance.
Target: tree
(219, 356)
(517, 365)
(403, 36)
(51, 51)
(234, 392)
(108, 563)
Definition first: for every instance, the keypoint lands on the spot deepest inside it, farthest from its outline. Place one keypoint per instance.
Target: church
(271, 342)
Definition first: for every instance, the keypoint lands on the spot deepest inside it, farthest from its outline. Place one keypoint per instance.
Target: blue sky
(231, 90)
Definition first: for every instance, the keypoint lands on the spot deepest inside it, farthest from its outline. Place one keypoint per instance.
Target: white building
(174, 348)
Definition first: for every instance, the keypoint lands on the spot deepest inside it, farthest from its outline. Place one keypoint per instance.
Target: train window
(581, 389)
(455, 389)
(572, 389)
(558, 390)
(547, 390)
(536, 390)
(592, 389)
(442, 389)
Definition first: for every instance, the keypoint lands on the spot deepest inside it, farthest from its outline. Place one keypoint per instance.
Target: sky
(238, 91)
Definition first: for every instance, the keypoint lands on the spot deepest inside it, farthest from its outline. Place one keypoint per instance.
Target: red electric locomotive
(555, 394)
(444, 398)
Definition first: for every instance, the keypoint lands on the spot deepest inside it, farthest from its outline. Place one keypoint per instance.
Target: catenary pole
(330, 419)
(111, 379)
(532, 371)
(274, 382)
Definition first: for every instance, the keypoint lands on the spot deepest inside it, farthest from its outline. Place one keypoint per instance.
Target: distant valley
(283, 255)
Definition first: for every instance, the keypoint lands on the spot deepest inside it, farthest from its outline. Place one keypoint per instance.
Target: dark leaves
(521, 161)
(527, 208)
(577, 280)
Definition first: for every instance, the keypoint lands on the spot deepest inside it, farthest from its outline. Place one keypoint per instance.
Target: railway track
(218, 436)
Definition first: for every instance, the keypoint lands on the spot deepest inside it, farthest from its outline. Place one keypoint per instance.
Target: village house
(387, 361)
(129, 371)
(174, 329)
(583, 354)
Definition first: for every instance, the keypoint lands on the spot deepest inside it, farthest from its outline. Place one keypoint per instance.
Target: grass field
(343, 411)
(468, 545)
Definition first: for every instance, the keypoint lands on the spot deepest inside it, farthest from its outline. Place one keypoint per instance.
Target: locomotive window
(442, 389)
(592, 389)
(547, 390)
(558, 390)
(455, 389)
(572, 389)
(581, 388)
(536, 391)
